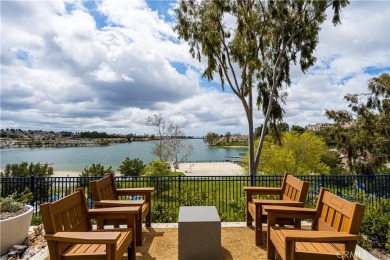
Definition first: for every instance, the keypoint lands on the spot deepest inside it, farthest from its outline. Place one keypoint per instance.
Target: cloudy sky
(108, 65)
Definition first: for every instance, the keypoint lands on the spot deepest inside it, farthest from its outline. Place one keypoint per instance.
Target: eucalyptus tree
(250, 44)
(368, 132)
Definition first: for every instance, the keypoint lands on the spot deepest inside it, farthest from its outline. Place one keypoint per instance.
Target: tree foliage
(157, 168)
(250, 44)
(96, 170)
(212, 138)
(24, 169)
(298, 153)
(132, 167)
(366, 139)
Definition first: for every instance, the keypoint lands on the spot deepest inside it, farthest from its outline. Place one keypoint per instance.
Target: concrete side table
(199, 233)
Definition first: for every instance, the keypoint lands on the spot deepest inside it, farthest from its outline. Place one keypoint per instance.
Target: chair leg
(248, 217)
(131, 254)
(148, 219)
(138, 230)
(258, 232)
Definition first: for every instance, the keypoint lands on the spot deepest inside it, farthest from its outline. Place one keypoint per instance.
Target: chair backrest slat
(67, 214)
(104, 188)
(338, 214)
(294, 188)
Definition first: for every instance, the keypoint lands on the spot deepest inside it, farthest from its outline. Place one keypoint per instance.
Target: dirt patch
(237, 243)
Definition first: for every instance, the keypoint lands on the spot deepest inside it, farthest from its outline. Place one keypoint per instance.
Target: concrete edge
(362, 254)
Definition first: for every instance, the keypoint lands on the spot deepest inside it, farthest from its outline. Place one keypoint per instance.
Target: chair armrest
(134, 191)
(289, 212)
(289, 203)
(118, 203)
(303, 235)
(262, 190)
(84, 237)
(114, 210)
(130, 214)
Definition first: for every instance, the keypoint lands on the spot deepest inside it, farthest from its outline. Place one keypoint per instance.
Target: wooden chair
(69, 233)
(333, 235)
(105, 194)
(293, 192)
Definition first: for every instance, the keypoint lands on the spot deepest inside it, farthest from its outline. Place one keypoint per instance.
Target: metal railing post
(32, 188)
(322, 180)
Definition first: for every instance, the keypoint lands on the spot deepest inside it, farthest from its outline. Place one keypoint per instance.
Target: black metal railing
(224, 192)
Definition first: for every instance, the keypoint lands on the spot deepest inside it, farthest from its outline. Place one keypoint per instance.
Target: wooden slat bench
(106, 194)
(293, 193)
(334, 233)
(69, 233)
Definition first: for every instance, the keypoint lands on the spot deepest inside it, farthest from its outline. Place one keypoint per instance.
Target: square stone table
(199, 233)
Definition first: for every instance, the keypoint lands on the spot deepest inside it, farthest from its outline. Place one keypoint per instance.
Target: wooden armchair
(69, 233)
(105, 194)
(293, 193)
(333, 235)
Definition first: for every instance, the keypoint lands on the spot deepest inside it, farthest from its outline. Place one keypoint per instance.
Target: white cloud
(63, 69)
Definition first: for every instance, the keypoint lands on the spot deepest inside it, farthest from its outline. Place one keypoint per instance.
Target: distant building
(234, 138)
(318, 127)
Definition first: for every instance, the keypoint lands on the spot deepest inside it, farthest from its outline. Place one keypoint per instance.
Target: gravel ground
(237, 243)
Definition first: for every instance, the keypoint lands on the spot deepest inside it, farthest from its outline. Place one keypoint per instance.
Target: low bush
(375, 227)
(15, 201)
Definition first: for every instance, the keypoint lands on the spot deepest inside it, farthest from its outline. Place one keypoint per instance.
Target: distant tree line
(95, 134)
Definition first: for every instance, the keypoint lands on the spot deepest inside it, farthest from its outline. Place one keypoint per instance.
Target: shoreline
(189, 169)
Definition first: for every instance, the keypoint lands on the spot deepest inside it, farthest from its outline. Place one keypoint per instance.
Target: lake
(77, 158)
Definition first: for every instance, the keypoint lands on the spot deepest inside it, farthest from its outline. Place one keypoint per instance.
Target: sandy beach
(189, 169)
(210, 169)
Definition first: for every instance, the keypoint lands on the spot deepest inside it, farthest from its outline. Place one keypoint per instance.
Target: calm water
(76, 158)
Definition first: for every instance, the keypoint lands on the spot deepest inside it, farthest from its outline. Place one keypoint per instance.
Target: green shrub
(157, 168)
(133, 167)
(26, 170)
(388, 239)
(376, 226)
(239, 211)
(36, 220)
(96, 170)
(163, 214)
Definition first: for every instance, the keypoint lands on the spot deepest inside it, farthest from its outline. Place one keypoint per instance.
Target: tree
(274, 129)
(133, 167)
(212, 138)
(256, 49)
(298, 129)
(227, 136)
(160, 148)
(157, 168)
(331, 159)
(179, 147)
(96, 170)
(363, 134)
(24, 169)
(299, 154)
(170, 143)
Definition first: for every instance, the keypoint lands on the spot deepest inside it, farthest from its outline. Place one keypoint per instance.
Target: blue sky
(108, 65)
